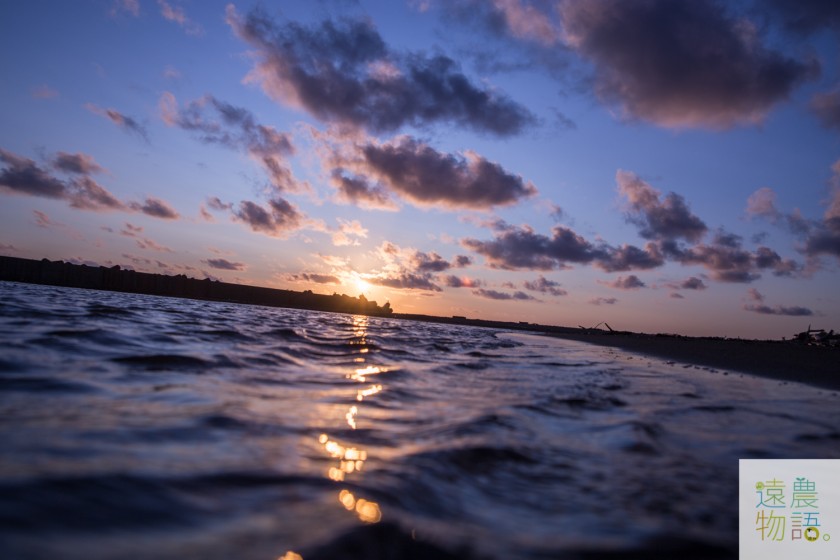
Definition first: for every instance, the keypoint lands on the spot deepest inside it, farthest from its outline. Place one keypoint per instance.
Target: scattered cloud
(23, 176)
(124, 122)
(348, 233)
(44, 92)
(452, 281)
(177, 15)
(405, 281)
(545, 286)
(343, 72)
(669, 218)
(631, 282)
(80, 164)
(156, 208)
(224, 264)
(280, 218)
(217, 122)
(365, 172)
(315, 278)
(130, 7)
(603, 301)
(692, 283)
(826, 105)
(493, 294)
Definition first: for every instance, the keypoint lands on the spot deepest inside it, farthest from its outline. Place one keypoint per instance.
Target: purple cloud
(631, 282)
(122, 121)
(344, 72)
(156, 208)
(669, 218)
(216, 122)
(224, 264)
(315, 278)
(281, 216)
(545, 286)
(680, 64)
(502, 296)
(603, 301)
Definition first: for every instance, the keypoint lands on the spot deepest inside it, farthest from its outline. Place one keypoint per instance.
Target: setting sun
(361, 284)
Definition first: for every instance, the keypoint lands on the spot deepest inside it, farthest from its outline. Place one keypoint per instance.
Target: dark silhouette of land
(116, 279)
(789, 360)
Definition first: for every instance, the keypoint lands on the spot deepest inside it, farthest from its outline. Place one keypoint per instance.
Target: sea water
(135, 426)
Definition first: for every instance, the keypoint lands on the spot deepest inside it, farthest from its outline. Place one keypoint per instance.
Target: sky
(659, 165)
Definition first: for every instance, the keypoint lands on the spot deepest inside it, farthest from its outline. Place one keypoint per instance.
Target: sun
(361, 284)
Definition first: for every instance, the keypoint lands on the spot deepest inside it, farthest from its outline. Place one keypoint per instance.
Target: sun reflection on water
(351, 460)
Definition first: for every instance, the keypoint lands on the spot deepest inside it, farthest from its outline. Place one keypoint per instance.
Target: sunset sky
(661, 165)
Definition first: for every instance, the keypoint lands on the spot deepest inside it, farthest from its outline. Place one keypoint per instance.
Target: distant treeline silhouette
(117, 279)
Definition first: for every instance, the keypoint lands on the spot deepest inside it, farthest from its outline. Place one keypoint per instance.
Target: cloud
(431, 178)
(346, 232)
(23, 176)
(676, 295)
(224, 264)
(805, 16)
(358, 191)
(452, 281)
(545, 286)
(680, 64)
(794, 311)
(631, 282)
(176, 14)
(216, 204)
(825, 235)
(515, 248)
(666, 219)
(406, 281)
(42, 220)
(316, 278)
(826, 105)
(630, 257)
(81, 164)
(603, 301)
(156, 208)
(692, 283)
(130, 7)
(429, 262)
(343, 72)
(150, 244)
(280, 217)
(44, 92)
(493, 294)
(762, 204)
(122, 121)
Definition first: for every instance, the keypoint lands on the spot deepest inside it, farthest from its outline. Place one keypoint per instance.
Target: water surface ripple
(142, 427)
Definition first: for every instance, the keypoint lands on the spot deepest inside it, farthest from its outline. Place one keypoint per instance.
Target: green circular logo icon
(759, 485)
(812, 534)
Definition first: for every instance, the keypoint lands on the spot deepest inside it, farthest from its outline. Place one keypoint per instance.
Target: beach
(786, 361)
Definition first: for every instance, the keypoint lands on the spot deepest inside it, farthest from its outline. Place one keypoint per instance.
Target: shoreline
(781, 360)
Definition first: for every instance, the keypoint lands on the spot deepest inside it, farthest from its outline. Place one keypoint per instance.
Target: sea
(143, 427)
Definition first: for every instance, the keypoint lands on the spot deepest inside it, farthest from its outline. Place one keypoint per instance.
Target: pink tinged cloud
(177, 15)
(826, 106)
(343, 72)
(427, 177)
(156, 208)
(503, 296)
(130, 7)
(526, 21)
(122, 121)
(603, 301)
(280, 218)
(44, 92)
(631, 282)
(668, 218)
(680, 64)
(224, 264)
(23, 176)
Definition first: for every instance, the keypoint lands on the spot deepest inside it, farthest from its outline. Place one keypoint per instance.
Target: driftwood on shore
(116, 279)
